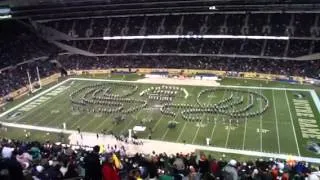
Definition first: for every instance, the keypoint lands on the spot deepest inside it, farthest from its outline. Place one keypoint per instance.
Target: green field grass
(276, 130)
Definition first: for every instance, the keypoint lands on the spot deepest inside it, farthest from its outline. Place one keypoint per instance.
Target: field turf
(277, 130)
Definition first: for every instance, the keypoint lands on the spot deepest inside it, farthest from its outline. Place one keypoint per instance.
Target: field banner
(250, 75)
(195, 71)
(50, 79)
(84, 71)
(265, 76)
(175, 71)
(144, 70)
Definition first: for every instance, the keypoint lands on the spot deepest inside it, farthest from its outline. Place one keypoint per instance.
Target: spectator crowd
(50, 161)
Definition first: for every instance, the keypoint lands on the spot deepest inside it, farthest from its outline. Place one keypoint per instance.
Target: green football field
(259, 116)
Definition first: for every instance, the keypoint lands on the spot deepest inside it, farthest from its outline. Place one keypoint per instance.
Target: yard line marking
(260, 120)
(196, 134)
(229, 127)
(192, 89)
(181, 131)
(245, 124)
(84, 115)
(215, 122)
(158, 122)
(276, 117)
(60, 115)
(164, 135)
(245, 132)
(294, 131)
(136, 118)
(213, 129)
(89, 122)
(103, 122)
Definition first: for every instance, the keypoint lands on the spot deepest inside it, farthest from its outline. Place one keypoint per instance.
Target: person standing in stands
(229, 172)
(92, 165)
(10, 168)
(109, 169)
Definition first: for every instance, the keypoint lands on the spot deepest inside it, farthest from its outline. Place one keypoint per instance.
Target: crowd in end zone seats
(47, 161)
(272, 24)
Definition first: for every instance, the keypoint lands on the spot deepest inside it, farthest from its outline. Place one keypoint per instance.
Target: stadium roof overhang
(76, 8)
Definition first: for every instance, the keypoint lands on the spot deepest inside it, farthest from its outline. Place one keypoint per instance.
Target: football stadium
(143, 89)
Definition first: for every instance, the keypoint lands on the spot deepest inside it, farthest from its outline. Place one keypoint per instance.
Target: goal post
(33, 88)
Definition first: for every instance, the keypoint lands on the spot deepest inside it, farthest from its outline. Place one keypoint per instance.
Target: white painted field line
(245, 132)
(32, 98)
(84, 115)
(136, 118)
(294, 131)
(245, 125)
(196, 134)
(276, 117)
(213, 129)
(157, 123)
(89, 122)
(226, 144)
(60, 115)
(229, 129)
(43, 105)
(184, 126)
(164, 135)
(260, 121)
(187, 147)
(27, 113)
(215, 122)
(315, 99)
(103, 122)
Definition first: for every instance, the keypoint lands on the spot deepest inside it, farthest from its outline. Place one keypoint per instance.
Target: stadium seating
(272, 24)
(18, 43)
(22, 49)
(35, 160)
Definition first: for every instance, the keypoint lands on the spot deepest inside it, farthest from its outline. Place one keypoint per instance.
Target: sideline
(171, 147)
